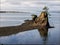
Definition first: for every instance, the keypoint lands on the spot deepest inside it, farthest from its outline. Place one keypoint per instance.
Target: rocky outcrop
(39, 23)
(42, 20)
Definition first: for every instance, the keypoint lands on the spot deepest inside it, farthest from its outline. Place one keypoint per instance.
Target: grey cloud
(54, 4)
(14, 2)
(17, 4)
(39, 3)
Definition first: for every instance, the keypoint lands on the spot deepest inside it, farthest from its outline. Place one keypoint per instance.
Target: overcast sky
(29, 5)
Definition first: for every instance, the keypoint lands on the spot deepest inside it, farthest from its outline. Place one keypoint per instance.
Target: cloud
(28, 5)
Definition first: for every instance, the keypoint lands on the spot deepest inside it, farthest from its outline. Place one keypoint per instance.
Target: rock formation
(42, 20)
(39, 23)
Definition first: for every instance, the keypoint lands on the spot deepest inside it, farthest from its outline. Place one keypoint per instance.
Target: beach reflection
(44, 34)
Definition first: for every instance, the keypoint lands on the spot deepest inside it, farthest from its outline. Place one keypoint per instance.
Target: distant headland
(12, 12)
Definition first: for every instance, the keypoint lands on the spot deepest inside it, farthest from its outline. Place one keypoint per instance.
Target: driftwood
(40, 23)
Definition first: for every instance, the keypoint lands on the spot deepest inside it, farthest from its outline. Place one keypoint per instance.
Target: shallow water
(33, 36)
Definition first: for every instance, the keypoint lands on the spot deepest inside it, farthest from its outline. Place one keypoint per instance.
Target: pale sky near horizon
(29, 5)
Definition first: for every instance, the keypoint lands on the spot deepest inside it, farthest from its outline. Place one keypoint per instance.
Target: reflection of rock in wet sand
(39, 22)
(44, 34)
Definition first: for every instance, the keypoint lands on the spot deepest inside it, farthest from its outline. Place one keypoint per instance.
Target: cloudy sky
(29, 5)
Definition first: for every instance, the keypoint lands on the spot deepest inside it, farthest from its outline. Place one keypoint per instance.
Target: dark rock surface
(41, 22)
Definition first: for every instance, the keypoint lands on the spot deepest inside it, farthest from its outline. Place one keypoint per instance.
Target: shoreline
(12, 12)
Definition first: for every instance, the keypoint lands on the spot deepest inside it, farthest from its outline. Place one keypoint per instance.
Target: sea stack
(42, 20)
